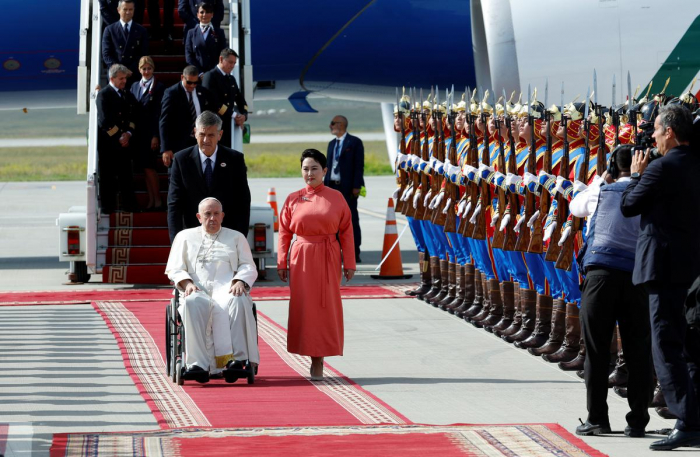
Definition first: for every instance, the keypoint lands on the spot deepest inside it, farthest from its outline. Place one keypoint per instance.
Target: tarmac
(62, 370)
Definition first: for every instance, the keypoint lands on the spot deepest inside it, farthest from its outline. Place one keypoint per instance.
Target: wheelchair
(175, 348)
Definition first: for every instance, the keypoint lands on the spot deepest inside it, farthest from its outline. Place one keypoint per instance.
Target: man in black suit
(115, 123)
(208, 170)
(188, 9)
(666, 194)
(227, 96)
(125, 41)
(346, 165)
(204, 42)
(108, 11)
(182, 103)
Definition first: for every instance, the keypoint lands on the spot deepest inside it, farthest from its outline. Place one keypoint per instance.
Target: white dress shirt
(203, 158)
(195, 99)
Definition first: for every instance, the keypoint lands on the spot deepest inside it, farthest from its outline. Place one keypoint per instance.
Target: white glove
(549, 231)
(579, 186)
(437, 200)
(451, 170)
(460, 208)
(434, 162)
(416, 198)
(494, 219)
(558, 187)
(396, 193)
(427, 198)
(401, 158)
(529, 178)
(497, 175)
(467, 209)
(505, 221)
(534, 217)
(475, 215)
(424, 166)
(407, 194)
(469, 169)
(447, 207)
(544, 173)
(519, 223)
(564, 236)
(512, 179)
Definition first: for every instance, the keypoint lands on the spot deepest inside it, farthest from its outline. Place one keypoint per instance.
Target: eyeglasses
(191, 83)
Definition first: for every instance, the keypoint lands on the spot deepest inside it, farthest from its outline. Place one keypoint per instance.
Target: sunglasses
(334, 122)
(191, 83)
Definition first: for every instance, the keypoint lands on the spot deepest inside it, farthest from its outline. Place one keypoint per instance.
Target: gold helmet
(484, 107)
(554, 113)
(461, 106)
(428, 104)
(473, 105)
(514, 110)
(499, 109)
(404, 104)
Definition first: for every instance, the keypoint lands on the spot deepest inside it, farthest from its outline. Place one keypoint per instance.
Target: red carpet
(280, 396)
(258, 293)
(349, 441)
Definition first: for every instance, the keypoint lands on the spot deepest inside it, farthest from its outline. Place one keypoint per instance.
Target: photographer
(608, 295)
(666, 193)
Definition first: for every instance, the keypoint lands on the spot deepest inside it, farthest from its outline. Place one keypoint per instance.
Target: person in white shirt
(213, 268)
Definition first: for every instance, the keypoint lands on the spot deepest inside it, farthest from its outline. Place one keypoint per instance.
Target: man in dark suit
(188, 9)
(108, 11)
(115, 123)
(182, 103)
(666, 194)
(208, 170)
(156, 30)
(227, 96)
(346, 165)
(125, 41)
(204, 42)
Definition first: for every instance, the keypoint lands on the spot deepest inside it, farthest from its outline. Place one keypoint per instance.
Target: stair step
(138, 237)
(169, 63)
(134, 274)
(138, 220)
(158, 47)
(136, 255)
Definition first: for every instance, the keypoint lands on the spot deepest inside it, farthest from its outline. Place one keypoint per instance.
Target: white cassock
(219, 327)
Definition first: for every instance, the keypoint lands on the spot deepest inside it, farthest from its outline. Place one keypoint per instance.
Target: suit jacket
(226, 94)
(117, 48)
(108, 11)
(175, 119)
(188, 188)
(148, 110)
(204, 54)
(115, 115)
(187, 9)
(668, 199)
(351, 164)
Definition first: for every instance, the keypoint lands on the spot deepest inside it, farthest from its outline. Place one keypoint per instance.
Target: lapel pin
(223, 164)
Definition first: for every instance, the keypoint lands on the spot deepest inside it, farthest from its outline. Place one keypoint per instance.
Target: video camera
(644, 141)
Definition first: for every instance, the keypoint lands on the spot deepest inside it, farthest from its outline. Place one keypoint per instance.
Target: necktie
(208, 173)
(143, 88)
(126, 30)
(205, 28)
(193, 110)
(336, 156)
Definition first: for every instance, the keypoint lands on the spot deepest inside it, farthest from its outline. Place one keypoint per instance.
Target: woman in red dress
(320, 218)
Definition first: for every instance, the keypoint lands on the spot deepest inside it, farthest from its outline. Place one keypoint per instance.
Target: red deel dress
(315, 215)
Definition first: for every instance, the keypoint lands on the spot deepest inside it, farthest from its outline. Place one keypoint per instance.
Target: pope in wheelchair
(213, 269)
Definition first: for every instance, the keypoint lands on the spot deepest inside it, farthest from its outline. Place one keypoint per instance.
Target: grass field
(263, 161)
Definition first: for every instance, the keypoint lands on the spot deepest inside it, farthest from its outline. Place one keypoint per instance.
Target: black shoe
(358, 259)
(589, 429)
(676, 439)
(634, 432)
(233, 371)
(665, 413)
(196, 373)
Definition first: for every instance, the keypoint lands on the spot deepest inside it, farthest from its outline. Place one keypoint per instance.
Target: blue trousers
(480, 252)
(535, 265)
(417, 232)
(460, 246)
(569, 284)
(552, 276)
(518, 269)
(446, 251)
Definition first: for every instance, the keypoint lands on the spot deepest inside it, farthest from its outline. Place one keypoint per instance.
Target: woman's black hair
(314, 154)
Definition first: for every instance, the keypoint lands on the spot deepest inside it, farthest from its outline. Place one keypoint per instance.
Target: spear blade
(585, 109)
(612, 105)
(546, 92)
(595, 88)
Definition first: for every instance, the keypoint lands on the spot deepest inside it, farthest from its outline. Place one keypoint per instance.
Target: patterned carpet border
(468, 440)
(174, 408)
(267, 293)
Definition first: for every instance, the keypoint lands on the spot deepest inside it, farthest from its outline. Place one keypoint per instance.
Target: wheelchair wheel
(178, 373)
(168, 342)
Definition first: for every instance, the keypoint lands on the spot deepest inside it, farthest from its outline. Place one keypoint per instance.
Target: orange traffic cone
(392, 267)
(272, 200)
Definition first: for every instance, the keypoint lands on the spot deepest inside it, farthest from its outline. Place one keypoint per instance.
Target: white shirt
(201, 29)
(586, 202)
(144, 86)
(115, 88)
(123, 23)
(195, 100)
(203, 158)
(336, 176)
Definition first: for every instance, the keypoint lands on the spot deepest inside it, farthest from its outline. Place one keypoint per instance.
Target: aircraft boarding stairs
(133, 248)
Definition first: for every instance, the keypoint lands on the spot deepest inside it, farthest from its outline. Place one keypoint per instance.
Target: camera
(644, 141)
